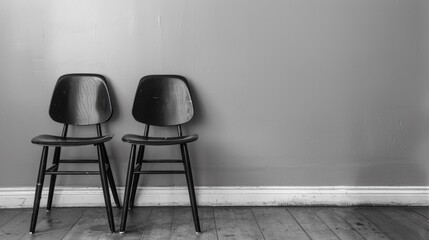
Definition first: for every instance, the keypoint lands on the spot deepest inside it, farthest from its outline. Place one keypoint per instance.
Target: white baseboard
(230, 196)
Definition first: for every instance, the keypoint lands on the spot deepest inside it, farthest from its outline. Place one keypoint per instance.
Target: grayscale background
(287, 92)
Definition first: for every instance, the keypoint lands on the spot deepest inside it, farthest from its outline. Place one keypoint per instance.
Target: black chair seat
(51, 140)
(158, 141)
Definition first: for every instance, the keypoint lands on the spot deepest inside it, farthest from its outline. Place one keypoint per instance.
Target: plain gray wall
(287, 92)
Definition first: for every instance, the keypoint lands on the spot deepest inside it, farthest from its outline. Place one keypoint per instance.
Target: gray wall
(287, 92)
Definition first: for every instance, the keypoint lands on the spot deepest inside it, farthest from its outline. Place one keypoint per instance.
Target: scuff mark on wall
(159, 21)
(22, 204)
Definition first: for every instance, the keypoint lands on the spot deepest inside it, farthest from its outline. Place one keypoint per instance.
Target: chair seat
(51, 140)
(158, 141)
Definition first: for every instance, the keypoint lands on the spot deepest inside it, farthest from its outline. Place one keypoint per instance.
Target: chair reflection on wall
(79, 100)
(160, 100)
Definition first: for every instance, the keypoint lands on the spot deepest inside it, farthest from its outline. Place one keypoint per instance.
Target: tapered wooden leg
(39, 188)
(110, 177)
(55, 161)
(128, 186)
(105, 186)
(136, 177)
(190, 183)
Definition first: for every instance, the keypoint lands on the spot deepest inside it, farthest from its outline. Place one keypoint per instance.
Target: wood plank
(18, 226)
(341, 228)
(91, 225)
(183, 224)
(56, 223)
(159, 224)
(403, 219)
(424, 211)
(236, 223)
(186, 212)
(368, 230)
(388, 226)
(8, 214)
(312, 224)
(278, 223)
(415, 217)
(229, 223)
(233, 212)
(136, 225)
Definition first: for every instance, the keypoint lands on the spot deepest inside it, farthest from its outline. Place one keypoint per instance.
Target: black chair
(78, 99)
(160, 100)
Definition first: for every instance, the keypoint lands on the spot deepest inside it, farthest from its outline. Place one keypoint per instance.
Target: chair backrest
(81, 99)
(163, 100)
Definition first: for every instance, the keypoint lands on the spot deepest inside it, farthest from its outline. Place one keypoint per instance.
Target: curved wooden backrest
(81, 99)
(163, 100)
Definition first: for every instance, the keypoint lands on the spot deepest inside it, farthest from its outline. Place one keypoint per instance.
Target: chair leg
(105, 187)
(110, 177)
(128, 186)
(55, 161)
(39, 188)
(136, 178)
(190, 183)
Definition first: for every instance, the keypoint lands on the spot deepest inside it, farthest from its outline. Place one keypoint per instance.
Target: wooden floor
(223, 223)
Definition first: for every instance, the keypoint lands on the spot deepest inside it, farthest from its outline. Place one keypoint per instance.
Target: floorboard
(55, 224)
(7, 214)
(19, 225)
(236, 223)
(387, 225)
(312, 224)
(183, 224)
(424, 211)
(159, 224)
(340, 227)
(136, 225)
(91, 225)
(359, 223)
(222, 223)
(415, 217)
(277, 223)
(414, 229)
